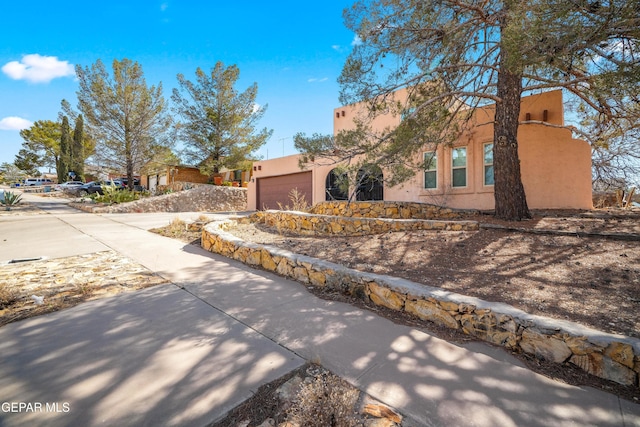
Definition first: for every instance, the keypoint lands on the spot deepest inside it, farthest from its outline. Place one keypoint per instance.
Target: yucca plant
(114, 195)
(11, 199)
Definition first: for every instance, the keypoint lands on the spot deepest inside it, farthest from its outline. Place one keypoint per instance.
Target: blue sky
(294, 51)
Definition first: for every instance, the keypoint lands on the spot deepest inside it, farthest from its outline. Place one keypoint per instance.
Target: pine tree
(455, 55)
(126, 118)
(219, 123)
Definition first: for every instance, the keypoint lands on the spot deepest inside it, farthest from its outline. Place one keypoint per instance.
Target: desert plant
(176, 226)
(203, 218)
(8, 295)
(161, 190)
(298, 201)
(327, 401)
(111, 194)
(85, 289)
(10, 199)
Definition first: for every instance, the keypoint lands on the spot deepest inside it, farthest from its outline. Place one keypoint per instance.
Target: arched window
(334, 186)
(370, 183)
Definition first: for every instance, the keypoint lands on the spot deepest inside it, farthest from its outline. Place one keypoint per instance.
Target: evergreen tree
(218, 123)
(454, 55)
(28, 161)
(126, 118)
(78, 157)
(65, 151)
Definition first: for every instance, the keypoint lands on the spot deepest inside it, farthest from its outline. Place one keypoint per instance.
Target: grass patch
(8, 295)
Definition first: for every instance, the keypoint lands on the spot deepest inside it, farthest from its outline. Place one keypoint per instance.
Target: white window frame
(465, 167)
(434, 160)
(485, 164)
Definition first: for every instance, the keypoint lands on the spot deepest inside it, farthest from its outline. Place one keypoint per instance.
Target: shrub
(298, 201)
(8, 295)
(176, 226)
(327, 401)
(11, 199)
(111, 194)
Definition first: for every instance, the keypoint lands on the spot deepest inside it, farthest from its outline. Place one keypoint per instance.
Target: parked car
(68, 186)
(37, 181)
(136, 183)
(96, 187)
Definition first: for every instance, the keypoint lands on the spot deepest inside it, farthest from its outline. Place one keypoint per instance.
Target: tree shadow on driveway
(154, 357)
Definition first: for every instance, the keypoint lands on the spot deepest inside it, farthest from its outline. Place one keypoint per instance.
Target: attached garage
(153, 182)
(273, 190)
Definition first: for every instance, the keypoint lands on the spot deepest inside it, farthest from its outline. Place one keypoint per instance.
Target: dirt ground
(310, 396)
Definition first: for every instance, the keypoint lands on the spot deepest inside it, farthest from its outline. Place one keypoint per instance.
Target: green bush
(111, 194)
(227, 183)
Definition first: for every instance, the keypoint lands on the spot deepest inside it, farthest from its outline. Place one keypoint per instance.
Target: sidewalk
(131, 359)
(157, 357)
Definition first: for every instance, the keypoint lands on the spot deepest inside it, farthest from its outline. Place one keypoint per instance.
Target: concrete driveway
(160, 356)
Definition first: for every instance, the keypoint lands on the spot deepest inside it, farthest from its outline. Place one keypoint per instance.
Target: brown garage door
(275, 189)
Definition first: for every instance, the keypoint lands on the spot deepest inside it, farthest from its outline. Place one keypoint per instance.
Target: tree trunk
(128, 156)
(129, 171)
(510, 198)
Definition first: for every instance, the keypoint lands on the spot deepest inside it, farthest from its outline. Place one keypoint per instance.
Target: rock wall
(613, 357)
(203, 198)
(396, 210)
(313, 224)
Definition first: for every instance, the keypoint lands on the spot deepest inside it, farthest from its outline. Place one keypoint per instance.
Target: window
(335, 186)
(459, 167)
(488, 164)
(430, 170)
(370, 183)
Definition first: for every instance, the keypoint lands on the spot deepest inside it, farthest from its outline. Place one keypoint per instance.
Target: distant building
(169, 174)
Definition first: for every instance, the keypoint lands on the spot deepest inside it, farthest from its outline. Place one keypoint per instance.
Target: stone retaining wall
(613, 357)
(395, 210)
(203, 198)
(312, 224)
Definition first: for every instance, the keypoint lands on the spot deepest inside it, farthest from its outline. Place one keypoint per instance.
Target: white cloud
(164, 6)
(38, 69)
(356, 40)
(336, 47)
(14, 123)
(314, 80)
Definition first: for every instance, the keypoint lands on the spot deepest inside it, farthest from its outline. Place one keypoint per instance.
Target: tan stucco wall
(556, 169)
(284, 166)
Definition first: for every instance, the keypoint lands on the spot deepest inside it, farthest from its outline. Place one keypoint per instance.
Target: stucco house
(555, 167)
